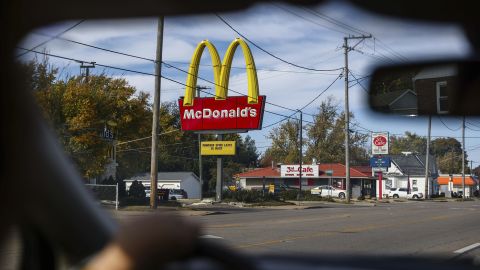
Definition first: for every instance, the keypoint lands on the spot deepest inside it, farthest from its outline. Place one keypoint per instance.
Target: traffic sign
(380, 162)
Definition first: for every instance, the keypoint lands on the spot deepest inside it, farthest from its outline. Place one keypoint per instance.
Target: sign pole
(380, 186)
(219, 184)
(300, 125)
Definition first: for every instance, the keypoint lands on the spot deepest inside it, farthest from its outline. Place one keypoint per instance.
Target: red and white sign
(233, 113)
(379, 143)
(294, 171)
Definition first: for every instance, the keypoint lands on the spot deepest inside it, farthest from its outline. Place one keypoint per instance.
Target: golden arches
(221, 73)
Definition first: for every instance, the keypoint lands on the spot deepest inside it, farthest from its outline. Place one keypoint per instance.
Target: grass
(272, 203)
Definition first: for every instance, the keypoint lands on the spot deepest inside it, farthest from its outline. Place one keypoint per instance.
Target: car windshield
(289, 68)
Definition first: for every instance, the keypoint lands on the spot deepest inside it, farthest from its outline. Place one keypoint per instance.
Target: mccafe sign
(294, 171)
(222, 112)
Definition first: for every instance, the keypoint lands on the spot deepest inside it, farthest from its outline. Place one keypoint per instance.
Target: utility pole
(347, 111)
(87, 67)
(156, 112)
(200, 167)
(300, 155)
(427, 160)
(463, 158)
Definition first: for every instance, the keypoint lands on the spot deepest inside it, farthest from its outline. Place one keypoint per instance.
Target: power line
(269, 53)
(440, 118)
(358, 82)
(144, 73)
(347, 27)
(266, 69)
(281, 120)
(321, 93)
(336, 22)
(179, 62)
(151, 60)
(51, 38)
(307, 19)
(134, 140)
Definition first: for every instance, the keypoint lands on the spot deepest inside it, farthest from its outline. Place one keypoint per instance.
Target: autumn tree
(410, 142)
(285, 144)
(447, 151)
(326, 137)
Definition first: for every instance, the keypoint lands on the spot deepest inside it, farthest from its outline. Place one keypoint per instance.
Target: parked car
(397, 193)
(176, 194)
(328, 191)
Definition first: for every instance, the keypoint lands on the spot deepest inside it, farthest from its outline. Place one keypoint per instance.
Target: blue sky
(292, 33)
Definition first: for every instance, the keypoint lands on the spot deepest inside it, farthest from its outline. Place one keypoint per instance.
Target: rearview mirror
(438, 88)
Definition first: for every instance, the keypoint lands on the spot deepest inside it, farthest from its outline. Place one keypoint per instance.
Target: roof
(164, 176)
(414, 164)
(436, 72)
(363, 169)
(337, 168)
(457, 180)
(268, 172)
(385, 99)
(339, 171)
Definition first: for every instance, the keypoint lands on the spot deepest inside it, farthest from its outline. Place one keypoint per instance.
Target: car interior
(68, 226)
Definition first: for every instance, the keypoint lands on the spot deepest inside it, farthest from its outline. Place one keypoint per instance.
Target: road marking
(230, 225)
(467, 248)
(345, 230)
(209, 236)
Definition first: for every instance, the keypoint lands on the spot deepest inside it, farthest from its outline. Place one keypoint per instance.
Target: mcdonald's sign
(222, 112)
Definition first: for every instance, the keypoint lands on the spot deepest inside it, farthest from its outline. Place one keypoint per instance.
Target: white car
(328, 191)
(397, 193)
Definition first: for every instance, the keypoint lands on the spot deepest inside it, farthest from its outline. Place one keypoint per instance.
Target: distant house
(187, 181)
(454, 183)
(434, 88)
(402, 102)
(408, 171)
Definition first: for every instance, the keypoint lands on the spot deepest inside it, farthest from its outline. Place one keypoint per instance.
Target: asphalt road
(444, 229)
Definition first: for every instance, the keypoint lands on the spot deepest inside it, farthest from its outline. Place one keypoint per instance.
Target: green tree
(285, 144)
(410, 142)
(246, 157)
(448, 152)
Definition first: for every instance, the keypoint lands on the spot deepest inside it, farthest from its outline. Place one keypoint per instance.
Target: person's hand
(148, 242)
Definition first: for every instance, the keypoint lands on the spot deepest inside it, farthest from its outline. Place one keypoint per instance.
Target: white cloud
(281, 33)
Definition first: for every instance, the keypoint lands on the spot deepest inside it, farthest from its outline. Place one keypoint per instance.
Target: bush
(247, 196)
(137, 190)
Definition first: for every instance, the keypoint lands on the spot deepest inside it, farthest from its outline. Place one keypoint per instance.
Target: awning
(457, 180)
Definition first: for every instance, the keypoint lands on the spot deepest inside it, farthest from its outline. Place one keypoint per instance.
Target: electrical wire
(358, 82)
(321, 93)
(269, 53)
(307, 19)
(51, 38)
(440, 118)
(144, 73)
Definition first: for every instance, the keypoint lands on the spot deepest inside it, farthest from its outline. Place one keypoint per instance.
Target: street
(423, 228)
(401, 228)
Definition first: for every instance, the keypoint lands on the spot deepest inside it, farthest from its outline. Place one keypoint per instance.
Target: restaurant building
(315, 175)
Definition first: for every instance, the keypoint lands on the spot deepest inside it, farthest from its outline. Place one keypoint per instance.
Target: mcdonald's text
(232, 113)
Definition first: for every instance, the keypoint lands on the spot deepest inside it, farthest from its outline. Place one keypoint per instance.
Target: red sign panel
(233, 113)
(380, 141)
